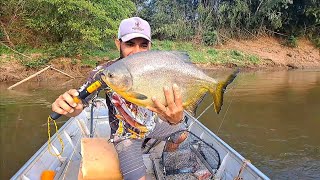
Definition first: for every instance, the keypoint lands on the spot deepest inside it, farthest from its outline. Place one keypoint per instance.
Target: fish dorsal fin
(182, 55)
(192, 107)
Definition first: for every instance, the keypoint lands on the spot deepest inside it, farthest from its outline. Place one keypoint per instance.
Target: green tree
(12, 30)
(302, 17)
(169, 19)
(72, 26)
(79, 24)
(213, 20)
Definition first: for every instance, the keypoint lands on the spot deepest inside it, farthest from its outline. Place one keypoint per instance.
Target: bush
(236, 54)
(291, 41)
(253, 59)
(66, 49)
(315, 40)
(209, 38)
(89, 62)
(212, 52)
(36, 63)
(4, 50)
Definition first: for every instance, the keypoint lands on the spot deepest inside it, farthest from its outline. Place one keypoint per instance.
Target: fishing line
(223, 119)
(59, 122)
(225, 114)
(204, 111)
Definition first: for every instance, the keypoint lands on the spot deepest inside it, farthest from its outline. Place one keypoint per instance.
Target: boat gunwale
(40, 151)
(228, 148)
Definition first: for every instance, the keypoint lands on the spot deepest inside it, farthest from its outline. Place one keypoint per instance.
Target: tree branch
(258, 8)
(6, 34)
(15, 51)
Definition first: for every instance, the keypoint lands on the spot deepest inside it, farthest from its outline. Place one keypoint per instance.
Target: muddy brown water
(270, 118)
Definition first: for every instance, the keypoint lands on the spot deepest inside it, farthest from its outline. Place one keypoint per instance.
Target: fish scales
(141, 76)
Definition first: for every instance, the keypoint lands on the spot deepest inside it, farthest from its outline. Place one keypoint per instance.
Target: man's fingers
(68, 97)
(152, 109)
(79, 106)
(169, 96)
(57, 109)
(66, 105)
(160, 107)
(73, 92)
(172, 113)
(63, 104)
(177, 95)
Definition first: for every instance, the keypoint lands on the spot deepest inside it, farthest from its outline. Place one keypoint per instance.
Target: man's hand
(173, 113)
(65, 104)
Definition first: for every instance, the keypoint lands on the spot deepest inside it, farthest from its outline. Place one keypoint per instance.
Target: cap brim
(130, 36)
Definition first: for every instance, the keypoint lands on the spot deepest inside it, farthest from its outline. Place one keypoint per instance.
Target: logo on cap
(137, 26)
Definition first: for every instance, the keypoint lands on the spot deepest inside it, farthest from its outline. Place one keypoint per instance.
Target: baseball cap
(134, 27)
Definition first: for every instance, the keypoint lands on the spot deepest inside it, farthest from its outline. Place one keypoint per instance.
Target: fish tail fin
(220, 89)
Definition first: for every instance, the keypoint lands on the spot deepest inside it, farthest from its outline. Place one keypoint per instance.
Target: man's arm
(65, 104)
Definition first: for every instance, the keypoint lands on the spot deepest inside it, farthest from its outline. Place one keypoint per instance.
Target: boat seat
(99, 160)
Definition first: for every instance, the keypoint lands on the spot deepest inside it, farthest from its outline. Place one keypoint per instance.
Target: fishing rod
(91, 88)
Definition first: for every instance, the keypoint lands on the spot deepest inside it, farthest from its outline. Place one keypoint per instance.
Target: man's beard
(121, 53)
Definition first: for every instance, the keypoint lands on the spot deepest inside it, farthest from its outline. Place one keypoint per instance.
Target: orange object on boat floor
(47, 175)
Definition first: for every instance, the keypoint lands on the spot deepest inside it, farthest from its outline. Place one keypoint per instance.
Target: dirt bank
(13, 70)
(272, 53)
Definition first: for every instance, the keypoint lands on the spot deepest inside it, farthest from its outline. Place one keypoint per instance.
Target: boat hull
(67, 164)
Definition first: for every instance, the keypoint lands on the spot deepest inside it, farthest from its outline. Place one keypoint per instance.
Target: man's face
(133, 46)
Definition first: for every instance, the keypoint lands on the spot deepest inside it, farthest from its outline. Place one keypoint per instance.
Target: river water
(270, 118)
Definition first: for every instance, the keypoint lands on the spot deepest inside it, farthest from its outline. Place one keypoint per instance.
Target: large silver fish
(141, 76)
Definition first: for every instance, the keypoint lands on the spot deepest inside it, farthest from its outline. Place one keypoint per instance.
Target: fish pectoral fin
(220, 89)
(136, 95)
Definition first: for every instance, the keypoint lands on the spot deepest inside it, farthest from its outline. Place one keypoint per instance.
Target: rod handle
(55, 116)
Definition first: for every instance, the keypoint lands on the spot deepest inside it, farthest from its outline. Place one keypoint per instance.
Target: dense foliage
(214, 20)
(69, 27)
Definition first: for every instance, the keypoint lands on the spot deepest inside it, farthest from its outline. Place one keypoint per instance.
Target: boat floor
(154, 166)
(152, 161)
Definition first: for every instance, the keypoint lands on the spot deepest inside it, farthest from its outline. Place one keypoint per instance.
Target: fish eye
(110, 75)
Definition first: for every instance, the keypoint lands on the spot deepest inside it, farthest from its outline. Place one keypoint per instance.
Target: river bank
(267, 53)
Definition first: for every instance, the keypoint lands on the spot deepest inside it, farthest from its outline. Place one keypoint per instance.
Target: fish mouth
(113, 88)
(105, 80)
(124, 85)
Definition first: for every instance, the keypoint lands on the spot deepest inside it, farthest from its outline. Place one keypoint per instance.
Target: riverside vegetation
(78, 34)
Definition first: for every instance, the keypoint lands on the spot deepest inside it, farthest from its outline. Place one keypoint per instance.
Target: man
(158, 122)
